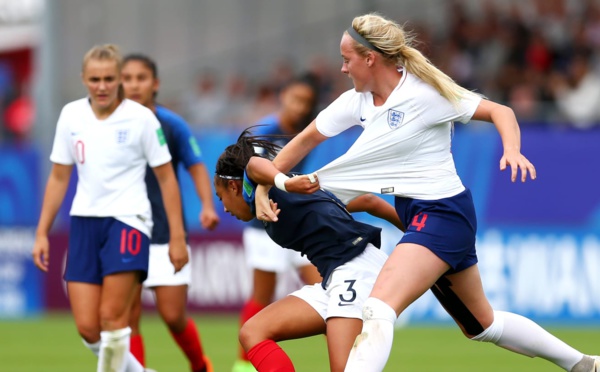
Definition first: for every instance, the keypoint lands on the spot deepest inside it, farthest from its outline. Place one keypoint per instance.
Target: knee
(111, 319)
(250, 335)
(175, 320)
(493, 332)
(89, 332)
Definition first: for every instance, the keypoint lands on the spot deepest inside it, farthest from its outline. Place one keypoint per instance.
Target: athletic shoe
(242, 366)
(149, 370)
(208, 364)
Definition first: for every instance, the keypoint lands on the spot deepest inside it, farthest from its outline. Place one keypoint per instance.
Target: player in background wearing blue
(111, 140)
(320, 227)
(141, 84)
(407, 108)
(298, 99)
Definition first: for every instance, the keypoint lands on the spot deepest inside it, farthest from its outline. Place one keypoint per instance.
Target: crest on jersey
(121, 135)
(395, 118)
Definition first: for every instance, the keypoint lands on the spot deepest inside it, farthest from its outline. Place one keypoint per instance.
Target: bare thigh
(118, 292)
(463, 297)
(410, 270)
(309, 274)
(85, 305)
(341, 333)
(286, 319)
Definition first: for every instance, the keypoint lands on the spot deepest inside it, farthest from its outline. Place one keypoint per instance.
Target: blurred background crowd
(541, 60)
(539, 56)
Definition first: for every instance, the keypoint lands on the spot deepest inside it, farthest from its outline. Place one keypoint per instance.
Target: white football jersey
(404, 149)
(111, 157)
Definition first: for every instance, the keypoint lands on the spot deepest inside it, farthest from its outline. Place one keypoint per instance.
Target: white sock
(114, 348)
(521, 335)
(133, 365)
(372, 347)
(94, 348)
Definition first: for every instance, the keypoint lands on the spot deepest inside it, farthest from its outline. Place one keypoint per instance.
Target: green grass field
(51, 344)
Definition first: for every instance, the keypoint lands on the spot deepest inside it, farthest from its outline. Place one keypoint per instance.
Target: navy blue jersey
(316, 225)
(184, 150)
(270, 126)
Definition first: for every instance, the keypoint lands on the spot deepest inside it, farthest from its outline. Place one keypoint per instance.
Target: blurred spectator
(578, 93)
(521, 53)
(237, 95)
(206, 105)
(265, 102)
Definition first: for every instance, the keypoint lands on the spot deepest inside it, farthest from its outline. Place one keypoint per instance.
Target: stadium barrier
(538, 242)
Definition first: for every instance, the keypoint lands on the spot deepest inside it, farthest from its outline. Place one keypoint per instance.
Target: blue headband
(358, 37)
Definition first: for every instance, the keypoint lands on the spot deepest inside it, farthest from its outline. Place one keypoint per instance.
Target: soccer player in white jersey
(111, 140)
(407, 107)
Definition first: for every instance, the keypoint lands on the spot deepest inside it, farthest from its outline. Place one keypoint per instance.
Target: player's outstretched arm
(57, 185)
(377, 207)
(297, 149)
(172, 201)
(506, 123)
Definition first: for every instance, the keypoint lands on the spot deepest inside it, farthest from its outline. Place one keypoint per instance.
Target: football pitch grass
(51, 344)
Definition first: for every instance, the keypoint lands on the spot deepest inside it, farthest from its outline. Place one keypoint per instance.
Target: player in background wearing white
(111, 140)
(407, 106)
(265, 257)
(141, 84)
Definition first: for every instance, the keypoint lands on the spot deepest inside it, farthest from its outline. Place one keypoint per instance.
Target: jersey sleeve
(154, 142)
(61, 148)
(436, 109)
(340, 115)
(187, 146)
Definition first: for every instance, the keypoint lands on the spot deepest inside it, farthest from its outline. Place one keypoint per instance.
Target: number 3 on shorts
(352, 295)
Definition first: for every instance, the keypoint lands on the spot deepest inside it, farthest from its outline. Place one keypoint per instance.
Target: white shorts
(264, 254)
(161, 271)
(349, 286)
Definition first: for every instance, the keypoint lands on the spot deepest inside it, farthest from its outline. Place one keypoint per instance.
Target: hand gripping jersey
(317, 225)
(404, 149)
(111, 157)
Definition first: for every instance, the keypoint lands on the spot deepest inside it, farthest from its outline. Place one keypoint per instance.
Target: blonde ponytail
(395, 45)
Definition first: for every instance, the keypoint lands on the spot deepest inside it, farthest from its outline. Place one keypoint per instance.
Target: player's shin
(372, 347)
(114, 350)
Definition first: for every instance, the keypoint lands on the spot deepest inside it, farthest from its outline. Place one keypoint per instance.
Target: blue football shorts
(446, 226)
(100, 246)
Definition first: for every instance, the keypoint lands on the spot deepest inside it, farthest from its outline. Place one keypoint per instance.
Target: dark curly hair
(233, 160)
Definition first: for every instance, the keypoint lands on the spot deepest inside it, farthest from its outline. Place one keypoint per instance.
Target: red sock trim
(136, 347)
(267, 356)
(189, 343)
(250, 309)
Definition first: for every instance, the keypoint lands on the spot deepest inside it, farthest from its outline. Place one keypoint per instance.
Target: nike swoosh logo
(345, 304)
(127, 260)
(74, 133)
(362, 119)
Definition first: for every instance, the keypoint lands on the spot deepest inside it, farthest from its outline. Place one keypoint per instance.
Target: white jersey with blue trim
(111, 157)
(404, 149)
